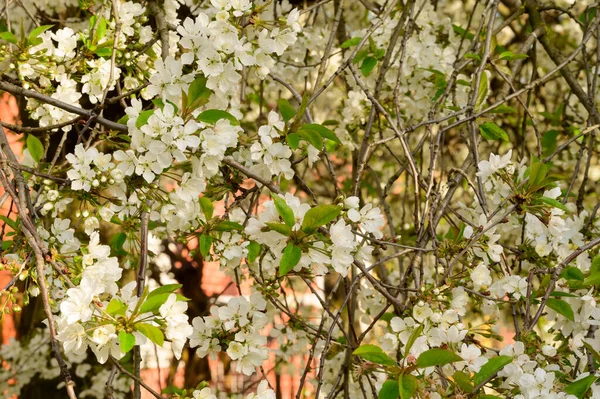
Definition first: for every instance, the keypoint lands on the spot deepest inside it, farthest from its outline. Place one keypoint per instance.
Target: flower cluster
(235, 327)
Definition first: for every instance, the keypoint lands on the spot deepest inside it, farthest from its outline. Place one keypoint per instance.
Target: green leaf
(35, 147)
(198, 92)
(503, 109)
(38, 31)
(411, 340)
(117, 242)
(580, 387)
(509, 56)
(492, 366)
(165, 289)
(100, 30)
(12, 223)
(592, 279)
(8, 36)
(374, 354)
(473, 56)
(463, 380)
(562, 294)
(368, 65)
(437, 357)
(291, 257)
(361, 55)
(482, 91)
(537, 172)
(281, 228)
(116, 306)
(293, 140)
(593, 351)
(319, 216)
(286, 109)
(153, 333)
(351, 42)
(207, 207)
(463, 33)
(284, 210)
(588, 15)
(323, 131)
(154, 302)
(595, 264)
(104, 52)
(549, 141)
(312, 136)
(143, 118)
(205, 244)
(554, 203)
(227, 225)
(212, 116)
(407, 386)
(572, 273)
(491, 131)
(127, 341)
(253, 251)
(562, 307)
(389, 390)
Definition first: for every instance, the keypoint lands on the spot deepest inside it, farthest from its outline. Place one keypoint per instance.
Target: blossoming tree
(403, 192)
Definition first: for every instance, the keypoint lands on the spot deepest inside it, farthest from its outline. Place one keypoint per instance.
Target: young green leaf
(253, 251)
(35, 147)
(562, 307)
(284, 210)
(153, 333)
(38, 31)
(463, 380)
(492, 366)
(411, 340)
(165, 289)
(572, 273)
(374, 354)
(509, 56)
(554, 203)
(312, 136)
(351, 42)
(286, 109)
(205, 244)
(437, 357)
(389, 390)
(291, 257)
(591, 350)
(207, 207)
(407, 386)
(319, 216)
(117, 242)
(100, 30)
(281, 228)
(116, 306)
(581, 386)
(126, 340)
(503, 109)
(154, 302)
(198, 91)
(368, 65)
(143, 118)
(8, 36)
(491, 131)
(482, 91)
(293, 140)
(227, 225)
(323, 131)
(212, 116)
